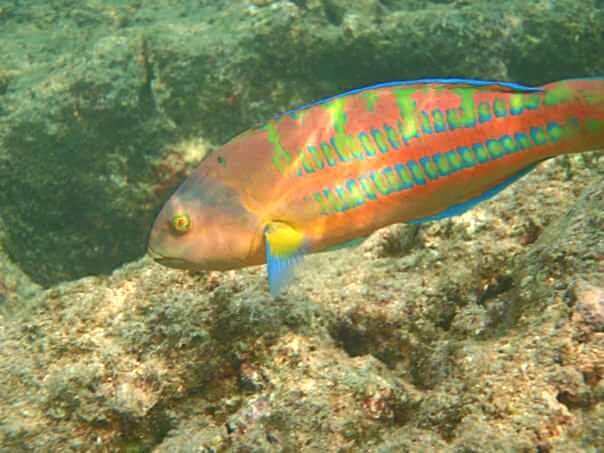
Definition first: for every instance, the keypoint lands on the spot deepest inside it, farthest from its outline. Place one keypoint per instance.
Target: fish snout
(167, 261)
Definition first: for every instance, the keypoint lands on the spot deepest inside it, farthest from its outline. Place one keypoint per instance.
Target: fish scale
(334, 171)
(424, 147)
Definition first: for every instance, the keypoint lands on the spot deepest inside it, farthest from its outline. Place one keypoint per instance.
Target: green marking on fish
(314, 152)
(367, 144)
(355, 193)
(380, 182)
(426, 126)
(481, 152)
(371, 97)
(379, 140)
(454, 118)
(366, 187)
(555, 132)
(306, 165)
(323, 206)
(538, 135)
(532, 101)
(416, 171)
(403, 172)
(559, 94)
(393, 180)
(517, 104)
(509, 145)
(522, 141)
(439, 120)
(499, 108)
(344, 195)
(495, 148)
(467, 155)
(455, 160)
(484, 112)
(281, 157)
(336, 201)
(430, 168)
(443, 164)
(407, 107)
(343, 142)
(467, 117)
(393, 137)
(329, 154)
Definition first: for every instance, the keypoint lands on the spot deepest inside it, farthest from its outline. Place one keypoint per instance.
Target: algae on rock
(479, 333)
(364, 353)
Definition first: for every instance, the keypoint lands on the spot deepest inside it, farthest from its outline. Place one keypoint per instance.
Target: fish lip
(153, 254)
(178, 263)
(167, 260)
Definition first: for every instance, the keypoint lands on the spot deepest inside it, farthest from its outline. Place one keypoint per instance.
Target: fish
(328, 174)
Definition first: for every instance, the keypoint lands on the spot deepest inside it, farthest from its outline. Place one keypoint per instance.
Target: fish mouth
(167, 261)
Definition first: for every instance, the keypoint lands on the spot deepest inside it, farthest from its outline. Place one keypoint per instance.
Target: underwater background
(484, 332)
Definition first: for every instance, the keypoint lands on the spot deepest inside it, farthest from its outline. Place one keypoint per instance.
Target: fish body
(335, 171)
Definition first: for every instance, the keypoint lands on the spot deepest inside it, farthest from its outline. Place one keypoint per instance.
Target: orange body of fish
(335, 171)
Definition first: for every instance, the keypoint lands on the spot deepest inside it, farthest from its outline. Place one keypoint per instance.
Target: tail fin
(581, 101)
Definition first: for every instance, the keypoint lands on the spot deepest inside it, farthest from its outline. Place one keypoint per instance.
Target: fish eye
(181, 223)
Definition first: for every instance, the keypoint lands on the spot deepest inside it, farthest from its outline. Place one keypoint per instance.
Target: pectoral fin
(284, 249)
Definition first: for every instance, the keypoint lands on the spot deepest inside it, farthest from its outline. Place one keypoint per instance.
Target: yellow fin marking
(285, 241)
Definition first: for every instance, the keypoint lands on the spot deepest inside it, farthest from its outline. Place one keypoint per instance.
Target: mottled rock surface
(485, 335)
(480, 333)
(104, 106)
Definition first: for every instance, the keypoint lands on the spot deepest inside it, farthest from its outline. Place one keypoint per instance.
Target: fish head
(204, 226)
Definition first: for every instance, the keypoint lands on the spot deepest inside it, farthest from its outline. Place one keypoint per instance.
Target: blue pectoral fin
(460, 208)
(285, 247)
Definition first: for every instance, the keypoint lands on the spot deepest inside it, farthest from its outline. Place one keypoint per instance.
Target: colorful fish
(330, 173)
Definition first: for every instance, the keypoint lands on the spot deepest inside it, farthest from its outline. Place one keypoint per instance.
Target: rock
(16, 288)
(589, 305)
(478, 333)
(355, 356)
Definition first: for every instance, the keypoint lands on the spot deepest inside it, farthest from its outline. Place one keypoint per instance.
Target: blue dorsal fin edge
(445, 81)
(460, 208)
(442, 80)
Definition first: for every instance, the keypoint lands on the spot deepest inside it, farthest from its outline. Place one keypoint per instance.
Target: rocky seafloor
(480, 333)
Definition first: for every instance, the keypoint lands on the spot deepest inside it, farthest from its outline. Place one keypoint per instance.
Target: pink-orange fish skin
(272, 175)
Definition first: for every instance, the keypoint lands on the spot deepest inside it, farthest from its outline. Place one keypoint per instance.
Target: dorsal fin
(495, 85)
